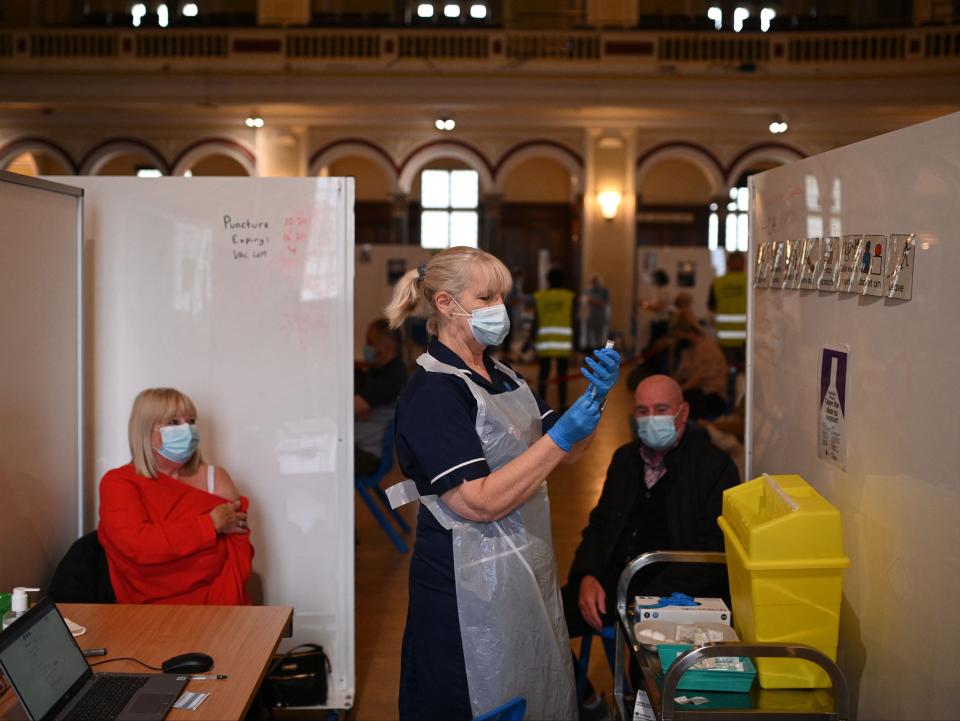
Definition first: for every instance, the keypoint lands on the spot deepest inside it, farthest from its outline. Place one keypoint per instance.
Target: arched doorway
(36, 163)
(374, 190)
(540, 219)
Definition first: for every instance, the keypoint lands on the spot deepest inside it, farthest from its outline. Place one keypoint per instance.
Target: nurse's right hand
(577, 423)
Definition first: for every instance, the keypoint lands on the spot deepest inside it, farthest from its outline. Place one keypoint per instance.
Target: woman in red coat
(173, 527)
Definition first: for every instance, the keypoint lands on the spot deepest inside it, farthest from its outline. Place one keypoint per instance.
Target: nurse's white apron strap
(400, 494)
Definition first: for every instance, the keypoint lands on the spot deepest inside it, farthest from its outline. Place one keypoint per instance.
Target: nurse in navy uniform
(485, 622)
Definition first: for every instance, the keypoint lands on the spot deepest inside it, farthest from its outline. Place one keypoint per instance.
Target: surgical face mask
(179, 442)
(369, 354)
(657, 432)
(489, 325)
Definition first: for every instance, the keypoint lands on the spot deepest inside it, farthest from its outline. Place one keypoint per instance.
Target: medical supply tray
(660, 688)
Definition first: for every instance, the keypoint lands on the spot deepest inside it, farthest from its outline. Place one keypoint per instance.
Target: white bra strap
(210, 476)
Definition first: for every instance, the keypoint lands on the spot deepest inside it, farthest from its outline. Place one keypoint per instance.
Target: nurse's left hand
(605, 370)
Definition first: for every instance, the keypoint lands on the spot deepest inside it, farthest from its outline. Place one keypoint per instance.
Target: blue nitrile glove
(577, 423)
(606, 370)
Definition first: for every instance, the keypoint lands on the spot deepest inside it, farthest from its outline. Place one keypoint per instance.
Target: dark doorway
(528, 228)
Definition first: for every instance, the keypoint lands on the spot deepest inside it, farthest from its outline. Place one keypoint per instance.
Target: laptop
(54, 682)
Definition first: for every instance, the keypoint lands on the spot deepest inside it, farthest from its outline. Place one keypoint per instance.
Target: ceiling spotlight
(451, 11)
(190, 10)
(445, 124)
(425, 10)
(478, 12)
(779, 125)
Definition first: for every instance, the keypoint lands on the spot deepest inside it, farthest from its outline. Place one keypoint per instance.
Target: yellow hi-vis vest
(730, 294)
(554, 322)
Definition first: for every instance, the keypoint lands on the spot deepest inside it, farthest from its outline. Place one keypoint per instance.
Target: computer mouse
(188, 663)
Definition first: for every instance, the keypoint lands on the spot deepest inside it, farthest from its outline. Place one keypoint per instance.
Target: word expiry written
(250, 239)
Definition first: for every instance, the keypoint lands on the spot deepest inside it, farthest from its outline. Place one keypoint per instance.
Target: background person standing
(554, 332)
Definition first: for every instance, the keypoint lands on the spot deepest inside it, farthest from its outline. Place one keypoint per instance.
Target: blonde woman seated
(173, 527)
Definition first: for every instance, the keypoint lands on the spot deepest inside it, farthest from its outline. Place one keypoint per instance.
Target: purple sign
(832, 431)
(826, 365)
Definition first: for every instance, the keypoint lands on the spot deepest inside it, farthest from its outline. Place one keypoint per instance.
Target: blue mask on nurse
(179, 442)
(489, 325)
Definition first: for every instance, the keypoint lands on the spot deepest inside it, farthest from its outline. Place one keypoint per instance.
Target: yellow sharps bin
(785, 561)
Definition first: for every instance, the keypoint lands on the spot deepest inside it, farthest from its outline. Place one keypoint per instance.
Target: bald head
(660, 395)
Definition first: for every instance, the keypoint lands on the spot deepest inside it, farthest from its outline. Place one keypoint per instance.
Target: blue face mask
(489, 325)
(657, 432)
(179, 442)
(369, 354)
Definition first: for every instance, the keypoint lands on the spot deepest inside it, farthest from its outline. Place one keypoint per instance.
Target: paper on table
(190, 700)
(75, 628)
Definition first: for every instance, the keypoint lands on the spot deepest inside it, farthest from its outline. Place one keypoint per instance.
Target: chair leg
(381, 519)
(382, 495)
(583, 663)
(609, 639)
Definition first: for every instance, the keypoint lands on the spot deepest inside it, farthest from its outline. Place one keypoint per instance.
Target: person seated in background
(663, 492)
(702, 373)
(376, 389)
(174, 528)
(683, 313)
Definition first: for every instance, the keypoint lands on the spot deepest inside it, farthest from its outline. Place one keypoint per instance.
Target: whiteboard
(900, 494)
(239, 292)
(40, 389)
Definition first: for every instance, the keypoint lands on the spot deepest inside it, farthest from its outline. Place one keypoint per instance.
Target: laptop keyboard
(106, 698)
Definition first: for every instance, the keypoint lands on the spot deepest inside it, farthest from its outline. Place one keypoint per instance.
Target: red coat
(162, 546)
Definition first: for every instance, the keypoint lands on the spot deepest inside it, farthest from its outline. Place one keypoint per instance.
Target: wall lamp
(444, 123)
(253, 121)
(609, 201)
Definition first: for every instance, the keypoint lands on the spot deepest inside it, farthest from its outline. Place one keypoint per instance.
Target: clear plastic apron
(515, 640)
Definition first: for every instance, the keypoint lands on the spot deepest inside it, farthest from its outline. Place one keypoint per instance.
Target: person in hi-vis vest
(554, 332)
(728, 301)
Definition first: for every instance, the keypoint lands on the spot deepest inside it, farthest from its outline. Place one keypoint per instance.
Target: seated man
(376, 389)
(663, 492)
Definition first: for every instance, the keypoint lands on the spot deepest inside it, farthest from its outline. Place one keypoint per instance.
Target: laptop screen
(41, 659)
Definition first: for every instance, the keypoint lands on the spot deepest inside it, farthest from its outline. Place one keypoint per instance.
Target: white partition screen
(899, 493)
(40, 389)
(239, 292)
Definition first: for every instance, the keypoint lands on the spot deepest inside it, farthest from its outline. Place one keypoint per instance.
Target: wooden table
(241, 640)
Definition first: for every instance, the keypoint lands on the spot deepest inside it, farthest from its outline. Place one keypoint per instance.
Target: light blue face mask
(657, 432)
(489, 325)
(369, 354)
(179, 442)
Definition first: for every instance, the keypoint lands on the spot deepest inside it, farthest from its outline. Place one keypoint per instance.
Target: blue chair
(512, 710)
(608, 634)
(365, 484)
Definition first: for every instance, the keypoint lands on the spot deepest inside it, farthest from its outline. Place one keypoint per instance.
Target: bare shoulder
(224, 486)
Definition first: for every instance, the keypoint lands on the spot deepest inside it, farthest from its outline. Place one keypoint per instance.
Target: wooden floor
(381, 572)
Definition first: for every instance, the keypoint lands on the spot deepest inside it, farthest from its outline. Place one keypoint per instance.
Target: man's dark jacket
(698, 473)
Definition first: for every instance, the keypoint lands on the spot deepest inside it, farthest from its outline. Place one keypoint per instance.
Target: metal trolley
(787, 705)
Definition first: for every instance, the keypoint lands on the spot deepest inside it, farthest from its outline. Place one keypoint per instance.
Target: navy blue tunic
(438, 447)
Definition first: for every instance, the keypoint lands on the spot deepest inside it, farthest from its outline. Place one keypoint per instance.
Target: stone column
(281, 152)
(609, 246)
(490, 237)
(400, 217)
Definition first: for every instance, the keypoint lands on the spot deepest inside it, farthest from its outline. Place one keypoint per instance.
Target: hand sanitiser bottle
(18, 605)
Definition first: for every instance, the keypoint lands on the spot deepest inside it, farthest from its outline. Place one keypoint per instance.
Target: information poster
(794, 252)
(850, 257)
(810, 264)
(870, 270)
(829, 264)
(777, 270)
(899, 272)
(833, 406)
